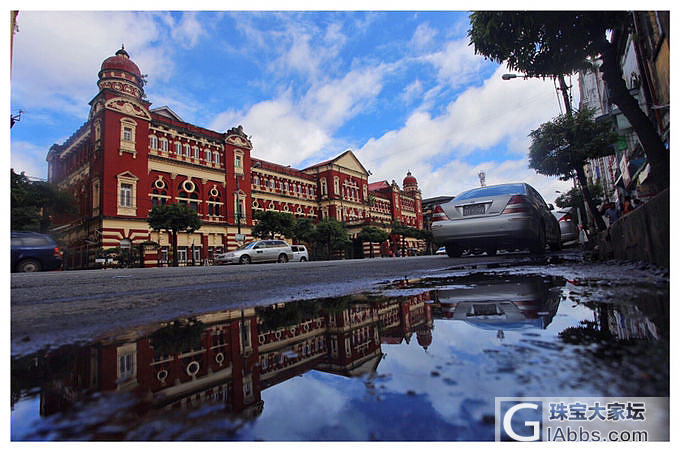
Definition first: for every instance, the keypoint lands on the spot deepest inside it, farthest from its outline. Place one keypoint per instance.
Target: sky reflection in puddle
(426, 366)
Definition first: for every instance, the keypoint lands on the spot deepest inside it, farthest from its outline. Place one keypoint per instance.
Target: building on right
(643, 55)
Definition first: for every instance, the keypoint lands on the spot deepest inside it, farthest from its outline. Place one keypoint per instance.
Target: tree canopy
(557, 43)
(574, 197)
(561, 147)
(34, 204)
(372, 234)
(174, 218)
(330, 233)
(270, 223)
(542, 43)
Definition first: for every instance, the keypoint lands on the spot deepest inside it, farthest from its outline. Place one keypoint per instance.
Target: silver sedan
(507, 216)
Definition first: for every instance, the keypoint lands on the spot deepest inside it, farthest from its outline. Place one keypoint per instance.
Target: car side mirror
(551, 207)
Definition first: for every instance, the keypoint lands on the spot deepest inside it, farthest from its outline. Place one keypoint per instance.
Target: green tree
(557, 43)
(332, 235)
(574, 197)
(562, 146)
(270, 223)
(303, 230)
(34, 204)
(399, 228)
(174, 218)
(372, 234)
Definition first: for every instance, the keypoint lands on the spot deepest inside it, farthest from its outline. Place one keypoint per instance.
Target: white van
(299, 253)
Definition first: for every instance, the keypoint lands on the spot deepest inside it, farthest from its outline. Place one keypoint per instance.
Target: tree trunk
(174, 248)
(581, 175)
(658, 156)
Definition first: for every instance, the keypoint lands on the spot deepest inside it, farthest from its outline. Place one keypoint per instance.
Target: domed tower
(119, 121)
(410, 184)
(121, 74)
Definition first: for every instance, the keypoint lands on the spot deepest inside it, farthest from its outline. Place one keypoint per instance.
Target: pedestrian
(612, 213)
(627, 205)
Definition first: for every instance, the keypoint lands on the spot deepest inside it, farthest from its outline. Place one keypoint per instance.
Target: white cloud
(188, 31)
(423, 36)
(29, 158)
(280, 134)
(333, 103)
(498, 112)
(57, 55)
(289, 131)
(412, 91)
(457, 64)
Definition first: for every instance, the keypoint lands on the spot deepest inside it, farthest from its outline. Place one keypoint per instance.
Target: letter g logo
(535, 425)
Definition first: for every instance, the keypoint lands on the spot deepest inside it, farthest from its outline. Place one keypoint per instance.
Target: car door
(259, 253)
(16, 249)
(270, 253)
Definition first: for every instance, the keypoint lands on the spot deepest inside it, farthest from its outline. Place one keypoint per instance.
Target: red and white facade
(128, 157)
(236, 354)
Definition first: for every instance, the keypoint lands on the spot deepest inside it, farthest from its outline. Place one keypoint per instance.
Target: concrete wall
(642, 235)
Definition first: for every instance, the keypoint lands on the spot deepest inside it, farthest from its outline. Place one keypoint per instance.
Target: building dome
(410, 181)
(121, 62)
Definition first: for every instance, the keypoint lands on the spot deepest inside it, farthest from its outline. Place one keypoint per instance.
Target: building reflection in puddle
(230, 357)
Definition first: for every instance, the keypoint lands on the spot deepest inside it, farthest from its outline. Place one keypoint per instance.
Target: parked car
(300, 253)
(567, 219)
(441, 250)
(33, 252)
(258, 251)
(506, 216)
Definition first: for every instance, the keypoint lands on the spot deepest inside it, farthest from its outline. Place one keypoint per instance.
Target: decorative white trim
(128, 106)
(197, 366)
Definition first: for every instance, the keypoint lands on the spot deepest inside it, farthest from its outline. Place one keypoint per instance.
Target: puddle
(423, 360)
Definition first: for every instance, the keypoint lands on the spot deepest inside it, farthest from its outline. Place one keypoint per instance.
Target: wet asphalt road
(58, 308)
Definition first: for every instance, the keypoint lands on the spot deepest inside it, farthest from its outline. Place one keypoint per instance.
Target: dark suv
(33, 252)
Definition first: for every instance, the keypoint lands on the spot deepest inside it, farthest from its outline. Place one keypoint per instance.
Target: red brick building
(128, 157)
(236, 354)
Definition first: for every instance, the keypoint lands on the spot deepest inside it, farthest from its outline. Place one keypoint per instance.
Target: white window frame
(127, 178)
(125, 195)
(153, 142)
(128, 132)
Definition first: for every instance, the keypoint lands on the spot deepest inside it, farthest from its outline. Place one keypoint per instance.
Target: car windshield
(247, 246)
(508, 189)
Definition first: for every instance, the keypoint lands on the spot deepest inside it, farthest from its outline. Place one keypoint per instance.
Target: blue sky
(403, 90)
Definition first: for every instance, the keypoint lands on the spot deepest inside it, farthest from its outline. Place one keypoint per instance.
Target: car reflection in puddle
(426, 366)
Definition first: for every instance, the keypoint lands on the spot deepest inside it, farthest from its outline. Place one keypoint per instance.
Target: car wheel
(245, 259)
(491, 250)
(302, 259)
(282, 259)
(453, 250)
(29, 265)
(539, 245)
